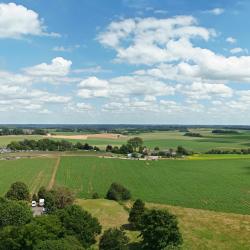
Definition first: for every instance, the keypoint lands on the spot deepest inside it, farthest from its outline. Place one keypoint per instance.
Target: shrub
(95, 195)
(159, 230)
(118, 193)
(113, 239)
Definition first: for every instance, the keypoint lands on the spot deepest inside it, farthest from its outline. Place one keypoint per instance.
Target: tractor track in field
(53, 176)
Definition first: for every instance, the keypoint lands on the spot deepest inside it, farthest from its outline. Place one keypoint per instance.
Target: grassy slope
(34, 172)
(220, 185)
(201, 230)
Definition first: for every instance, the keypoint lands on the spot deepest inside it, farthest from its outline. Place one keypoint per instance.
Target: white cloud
(17, 21)
(65, 49)
(238, 50)
(145, 41)
(58, 67)
(123, 86)
(231, 40)
(216, 11)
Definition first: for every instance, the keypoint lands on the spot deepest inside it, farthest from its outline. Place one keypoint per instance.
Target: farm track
(53, 176)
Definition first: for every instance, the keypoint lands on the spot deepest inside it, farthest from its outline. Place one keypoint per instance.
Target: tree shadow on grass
(128, 227)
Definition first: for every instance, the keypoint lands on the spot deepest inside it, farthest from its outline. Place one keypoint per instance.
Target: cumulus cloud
(58, 67)
(238, 50)
(17, 21)
(145, 41)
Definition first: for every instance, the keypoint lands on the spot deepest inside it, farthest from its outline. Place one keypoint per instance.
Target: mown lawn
(220, 185)
(201, 229)
(34, 172)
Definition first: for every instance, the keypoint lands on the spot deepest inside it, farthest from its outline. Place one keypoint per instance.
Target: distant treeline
(229, 151)
(49, 145)
(192, 134)
(19, 131)
(222, 131)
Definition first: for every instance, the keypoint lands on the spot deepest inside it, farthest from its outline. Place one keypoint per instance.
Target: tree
(136, 213)
(113, 239)
(63, 197)
(18, 191)
(135, 142)
(79, 223)
(67, 243)
(117, 192)
(159, 229)
(41, 192)
(14, 213)
(109, 148)
(35, 198)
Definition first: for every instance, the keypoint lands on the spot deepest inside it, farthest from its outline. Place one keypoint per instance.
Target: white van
(41, 202)
(33, 203)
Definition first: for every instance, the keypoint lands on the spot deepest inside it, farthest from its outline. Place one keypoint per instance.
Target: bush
(113, 239)
(136, 213)
(18, 191)
(159, 230)
(118, 193)
(95, 195)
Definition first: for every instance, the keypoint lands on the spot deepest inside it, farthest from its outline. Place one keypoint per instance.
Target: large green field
(34, 172)
(220, 185)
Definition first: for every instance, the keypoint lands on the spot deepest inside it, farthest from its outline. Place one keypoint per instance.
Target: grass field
(5, 140)
(220, 185)
(34, 172)
(201, 230)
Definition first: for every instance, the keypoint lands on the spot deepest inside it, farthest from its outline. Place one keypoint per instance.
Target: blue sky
(125, 61)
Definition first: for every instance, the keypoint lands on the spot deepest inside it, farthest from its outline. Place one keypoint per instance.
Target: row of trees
(49, 145)
(19, 131)
(229, 151)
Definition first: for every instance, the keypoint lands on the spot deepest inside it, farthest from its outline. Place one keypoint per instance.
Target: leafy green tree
(67, 243)
(159, 230)
(80, 224)
(27, 236)
(42, 192)
(50, 202)
(118, 192)
(14, 213)
(136, 213)
(135, 142)
(113, 239)
(18, 191)
(35, 197)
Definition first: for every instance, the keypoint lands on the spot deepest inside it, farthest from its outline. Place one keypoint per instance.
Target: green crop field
(5, 140)
(34, 172)
(220, 185)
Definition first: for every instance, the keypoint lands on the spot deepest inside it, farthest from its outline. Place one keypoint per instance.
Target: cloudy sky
(125, 61)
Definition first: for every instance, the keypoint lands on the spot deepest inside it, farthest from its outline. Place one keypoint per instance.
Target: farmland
(34, 172)
(165, 139)
(219, 184)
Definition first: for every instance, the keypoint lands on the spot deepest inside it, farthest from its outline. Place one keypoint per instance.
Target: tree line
(49, 145)
(19, 131)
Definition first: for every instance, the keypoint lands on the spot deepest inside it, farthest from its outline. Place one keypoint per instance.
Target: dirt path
(53, 176)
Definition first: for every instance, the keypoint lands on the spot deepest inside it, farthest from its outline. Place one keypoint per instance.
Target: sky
(125, 62)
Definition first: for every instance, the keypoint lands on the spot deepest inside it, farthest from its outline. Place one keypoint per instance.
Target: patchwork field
(166, 139)
(201, 229)
(34, 172)
(219, 184)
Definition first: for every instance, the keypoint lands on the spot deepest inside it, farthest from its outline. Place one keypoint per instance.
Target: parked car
(33, 203)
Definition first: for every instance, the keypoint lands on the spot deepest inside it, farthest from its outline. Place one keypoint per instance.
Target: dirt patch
(87, 136)
(53, 176)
